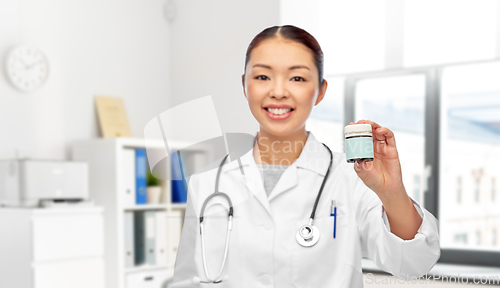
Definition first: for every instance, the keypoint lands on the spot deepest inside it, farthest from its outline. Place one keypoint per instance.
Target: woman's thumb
(362, 167)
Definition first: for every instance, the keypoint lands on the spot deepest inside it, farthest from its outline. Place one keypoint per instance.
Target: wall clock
(27, 67)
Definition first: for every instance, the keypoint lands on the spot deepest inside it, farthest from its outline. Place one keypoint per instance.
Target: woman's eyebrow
(291, 68)
(299, 67)
(261, 65)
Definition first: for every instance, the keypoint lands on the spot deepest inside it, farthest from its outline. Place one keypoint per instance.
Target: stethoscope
(307, 236)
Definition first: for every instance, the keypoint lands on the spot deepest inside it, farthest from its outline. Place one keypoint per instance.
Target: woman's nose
(279, 89)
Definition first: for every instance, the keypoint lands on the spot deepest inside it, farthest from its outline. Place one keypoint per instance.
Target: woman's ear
(243, 84)
(322, 92)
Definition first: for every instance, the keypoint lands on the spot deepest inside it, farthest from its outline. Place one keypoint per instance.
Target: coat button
(265, 280)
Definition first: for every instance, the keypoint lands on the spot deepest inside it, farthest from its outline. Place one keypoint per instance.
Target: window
(397, 102)
(416, 188)
(459, 189)
(467, 145)
(470, 145)
(494, 237)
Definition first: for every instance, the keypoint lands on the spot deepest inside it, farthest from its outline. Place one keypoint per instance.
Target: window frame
(431, 177)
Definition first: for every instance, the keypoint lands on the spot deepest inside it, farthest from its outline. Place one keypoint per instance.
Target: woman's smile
(278, 111)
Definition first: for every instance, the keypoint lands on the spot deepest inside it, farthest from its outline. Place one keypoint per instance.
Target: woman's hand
(383, 176)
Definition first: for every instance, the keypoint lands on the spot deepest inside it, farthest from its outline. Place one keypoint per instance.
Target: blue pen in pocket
(333, 213)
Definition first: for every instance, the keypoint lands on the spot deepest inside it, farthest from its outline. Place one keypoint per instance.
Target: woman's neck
(279, 150)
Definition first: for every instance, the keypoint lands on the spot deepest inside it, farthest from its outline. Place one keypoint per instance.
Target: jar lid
(358, 129)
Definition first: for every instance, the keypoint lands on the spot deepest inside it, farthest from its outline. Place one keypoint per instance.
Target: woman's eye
(297, 78)
(262, 77)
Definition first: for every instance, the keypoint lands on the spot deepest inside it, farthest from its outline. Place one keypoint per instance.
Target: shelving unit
(107, 189)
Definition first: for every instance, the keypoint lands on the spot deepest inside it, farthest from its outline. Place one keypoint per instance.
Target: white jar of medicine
(358, 142)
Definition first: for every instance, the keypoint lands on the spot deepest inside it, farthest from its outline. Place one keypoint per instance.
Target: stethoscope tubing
(229, 228)
(313, 213)
(226, 248)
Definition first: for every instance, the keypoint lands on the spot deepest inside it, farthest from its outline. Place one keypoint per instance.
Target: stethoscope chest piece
(308, 235)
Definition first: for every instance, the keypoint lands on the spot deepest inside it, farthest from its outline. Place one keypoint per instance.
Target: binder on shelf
(139, 238)
(179, 181)
(129, 239)
(161, 238)
(174, 224)
(140, 176)
(150, 240)
(129, 179)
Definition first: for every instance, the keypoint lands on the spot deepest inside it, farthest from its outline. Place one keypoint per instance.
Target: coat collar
(314, 158)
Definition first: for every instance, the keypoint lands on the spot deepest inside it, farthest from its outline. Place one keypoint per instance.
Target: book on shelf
(136, 173)
(140, 174)
(129, 170)
(146, 238)
(129, 239)
(179, 180)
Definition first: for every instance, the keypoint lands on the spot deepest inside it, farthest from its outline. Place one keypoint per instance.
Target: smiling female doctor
(362, 211)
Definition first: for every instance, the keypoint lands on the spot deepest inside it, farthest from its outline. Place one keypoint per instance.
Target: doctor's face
(281, 86)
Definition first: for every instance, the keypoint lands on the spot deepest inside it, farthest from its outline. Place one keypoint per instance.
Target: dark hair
(292, 33)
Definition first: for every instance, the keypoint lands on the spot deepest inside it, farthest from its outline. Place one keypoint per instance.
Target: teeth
(279, 111)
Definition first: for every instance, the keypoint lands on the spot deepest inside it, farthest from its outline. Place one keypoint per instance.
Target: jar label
(359, 147)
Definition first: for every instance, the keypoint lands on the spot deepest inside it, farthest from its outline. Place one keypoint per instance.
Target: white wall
(115, 48)
(208, 46)
(126, 49)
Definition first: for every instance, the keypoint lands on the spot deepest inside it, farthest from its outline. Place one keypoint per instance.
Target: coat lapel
(252, 179)
(314, 157)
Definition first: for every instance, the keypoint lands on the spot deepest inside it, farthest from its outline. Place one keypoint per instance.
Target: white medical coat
(263, 251)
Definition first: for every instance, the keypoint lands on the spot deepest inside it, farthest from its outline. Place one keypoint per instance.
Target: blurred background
(428, 70)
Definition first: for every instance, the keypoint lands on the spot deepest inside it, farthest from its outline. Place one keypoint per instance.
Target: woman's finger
(386, 134)
(373, 123)
(377, 135)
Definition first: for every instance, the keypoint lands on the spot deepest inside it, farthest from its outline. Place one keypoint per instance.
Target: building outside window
(476, 189)
(493, 189)
(461, 238)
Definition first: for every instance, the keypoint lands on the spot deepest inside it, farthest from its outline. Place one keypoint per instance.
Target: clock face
(27, 68)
